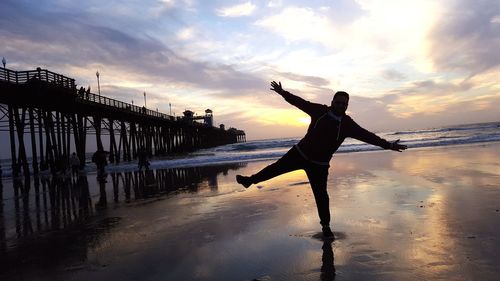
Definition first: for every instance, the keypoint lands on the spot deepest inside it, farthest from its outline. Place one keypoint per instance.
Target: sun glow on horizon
(281, 117)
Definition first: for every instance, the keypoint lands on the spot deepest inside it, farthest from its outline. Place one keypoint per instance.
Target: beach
(424, 214)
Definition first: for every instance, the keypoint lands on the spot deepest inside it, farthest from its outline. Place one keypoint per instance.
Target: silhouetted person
(81, 92)
(328, 128)
(34, 79)
(74, 161)
(99, 158)
(62, 165)
(142, 156)
(44, 167)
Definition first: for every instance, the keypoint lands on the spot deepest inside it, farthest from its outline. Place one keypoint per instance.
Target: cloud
(240, 10)
(427, 97)
(311, 80)
(299, 24)
(275, 3)
(421, 111)
(466, 38)
(393, 75)
(429, 103)
(355, 38)
(60, 41)
(167, 3)
(438, 100)
(185, 34)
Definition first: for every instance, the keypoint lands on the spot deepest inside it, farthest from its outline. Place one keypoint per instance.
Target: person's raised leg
(318, 176)
(291, 161)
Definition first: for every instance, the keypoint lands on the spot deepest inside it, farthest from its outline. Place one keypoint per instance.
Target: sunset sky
(406, 64)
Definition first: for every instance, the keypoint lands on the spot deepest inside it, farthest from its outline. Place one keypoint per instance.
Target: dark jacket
(99, 158)
(326, 133)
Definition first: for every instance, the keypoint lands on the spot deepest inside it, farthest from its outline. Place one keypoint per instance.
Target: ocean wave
(473, 127)
(255, 145)
(271, 155)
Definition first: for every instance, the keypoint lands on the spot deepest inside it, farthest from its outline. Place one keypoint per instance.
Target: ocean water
(274, 148)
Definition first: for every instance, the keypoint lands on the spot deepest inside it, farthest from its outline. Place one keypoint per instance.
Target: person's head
(340, 102)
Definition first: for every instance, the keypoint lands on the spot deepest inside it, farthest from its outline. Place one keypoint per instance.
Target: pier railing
(55, 79)
(21, 77)
(91, 97)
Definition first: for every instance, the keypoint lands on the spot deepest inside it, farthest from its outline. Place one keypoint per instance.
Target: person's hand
(398, 147)
(276, 87)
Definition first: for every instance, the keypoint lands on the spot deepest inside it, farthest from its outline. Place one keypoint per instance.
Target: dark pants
(74, 169)
(317, 174)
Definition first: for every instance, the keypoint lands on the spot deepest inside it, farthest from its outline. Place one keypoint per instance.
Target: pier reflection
(65, 212)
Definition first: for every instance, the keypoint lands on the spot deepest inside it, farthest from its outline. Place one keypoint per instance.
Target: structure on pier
(208, 119)
(45, 110)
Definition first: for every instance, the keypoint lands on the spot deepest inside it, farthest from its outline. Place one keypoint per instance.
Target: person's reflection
(27, 226)
(103, 201)
(85, 202)
(36, 181)
(150, 186)
(115, 178)
(17, 186)
(213, 181)
(3, 241)
(44, 178)
(127, 184)
(327, 267)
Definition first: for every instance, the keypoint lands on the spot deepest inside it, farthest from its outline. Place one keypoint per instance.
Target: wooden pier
(47, 117)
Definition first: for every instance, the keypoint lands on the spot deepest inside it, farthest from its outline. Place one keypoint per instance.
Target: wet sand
(425, 214)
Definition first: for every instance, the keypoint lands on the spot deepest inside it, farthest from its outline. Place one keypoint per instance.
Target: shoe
(245, 181)
(327, 233)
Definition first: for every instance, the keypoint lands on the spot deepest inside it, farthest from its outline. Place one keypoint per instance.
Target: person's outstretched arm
(302, 104)
(364, 135)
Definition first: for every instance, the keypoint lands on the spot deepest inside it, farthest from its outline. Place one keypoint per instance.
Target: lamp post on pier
(4, 61)
(98, 86)
(144, 99)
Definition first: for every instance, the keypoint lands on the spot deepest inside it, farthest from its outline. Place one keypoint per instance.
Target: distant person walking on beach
(62, 166)
(74, 161)
(142, 156)
(328, 128)
(99, 158)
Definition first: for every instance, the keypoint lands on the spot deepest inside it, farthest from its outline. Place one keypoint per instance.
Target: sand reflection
(419, 215)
